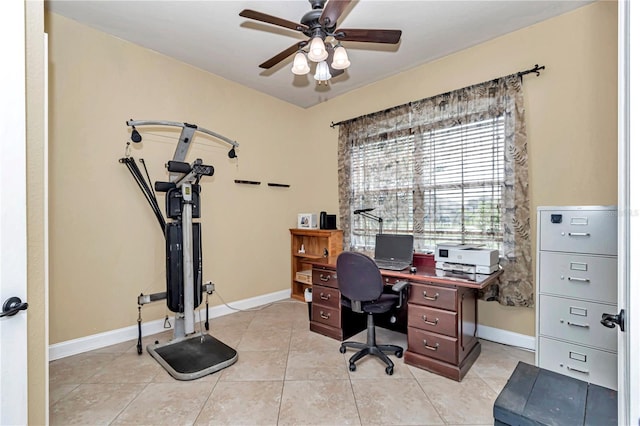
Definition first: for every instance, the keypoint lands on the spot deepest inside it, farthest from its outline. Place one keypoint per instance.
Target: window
(442, 185)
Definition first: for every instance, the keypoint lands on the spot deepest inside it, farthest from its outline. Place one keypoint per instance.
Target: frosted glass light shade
(300, 65)
(322, 72)
(317, 51)
(340, 59)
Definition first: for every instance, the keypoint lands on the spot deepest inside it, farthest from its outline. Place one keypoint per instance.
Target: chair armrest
(399, 286)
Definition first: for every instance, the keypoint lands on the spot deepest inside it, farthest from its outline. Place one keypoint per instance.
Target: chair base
(371, 348)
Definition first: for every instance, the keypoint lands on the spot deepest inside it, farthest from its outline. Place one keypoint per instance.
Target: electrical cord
(259, 308)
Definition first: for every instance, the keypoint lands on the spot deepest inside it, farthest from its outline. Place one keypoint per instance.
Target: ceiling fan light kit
(322, 74)
(340, 58)
(319, 24)
(300, 65)
(317, 52)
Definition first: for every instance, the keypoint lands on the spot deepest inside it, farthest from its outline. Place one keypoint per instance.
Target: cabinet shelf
(309, 256)
(318, 244)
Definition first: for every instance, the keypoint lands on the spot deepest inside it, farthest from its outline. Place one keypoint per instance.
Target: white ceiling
(212, 36)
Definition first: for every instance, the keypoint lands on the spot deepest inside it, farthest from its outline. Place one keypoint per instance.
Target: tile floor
(285, 375)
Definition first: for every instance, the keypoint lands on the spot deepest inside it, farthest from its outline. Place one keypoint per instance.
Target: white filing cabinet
(576, 284)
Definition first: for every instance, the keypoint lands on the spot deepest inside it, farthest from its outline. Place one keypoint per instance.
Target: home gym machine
(187, 356)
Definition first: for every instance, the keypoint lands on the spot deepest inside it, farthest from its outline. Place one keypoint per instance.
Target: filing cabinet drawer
(579, 230)
(591, 365)
(577, 321)
(433, 296)
(434, 320)
(325, 277)
(582, 276)
(326, 296)
(325, 315)
(433, 345)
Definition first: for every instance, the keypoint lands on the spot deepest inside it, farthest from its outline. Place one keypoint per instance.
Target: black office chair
(360, 283)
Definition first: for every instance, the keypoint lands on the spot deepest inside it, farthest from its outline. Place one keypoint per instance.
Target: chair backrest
(359, 278)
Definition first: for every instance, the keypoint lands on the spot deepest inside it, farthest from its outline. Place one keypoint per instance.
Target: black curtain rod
(537, 68)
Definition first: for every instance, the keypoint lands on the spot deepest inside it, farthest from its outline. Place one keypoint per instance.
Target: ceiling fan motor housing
(312, 20)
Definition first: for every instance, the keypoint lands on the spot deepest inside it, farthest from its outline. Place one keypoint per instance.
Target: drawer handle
(575, 324)
(324, 316)
(582, 280)
(579, 370)
(325, 297)
(579, 234)
(431, 348)
(424, 318)
(435, 297)
(325, 278)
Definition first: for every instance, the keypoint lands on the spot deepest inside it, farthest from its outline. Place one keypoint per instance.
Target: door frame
(628, 228)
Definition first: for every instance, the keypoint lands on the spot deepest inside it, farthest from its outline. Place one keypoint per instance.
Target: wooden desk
(441, 315)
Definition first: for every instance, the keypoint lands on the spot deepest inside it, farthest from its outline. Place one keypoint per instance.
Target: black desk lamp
(365, 213)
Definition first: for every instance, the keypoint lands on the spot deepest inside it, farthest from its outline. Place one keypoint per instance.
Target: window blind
(451, 178)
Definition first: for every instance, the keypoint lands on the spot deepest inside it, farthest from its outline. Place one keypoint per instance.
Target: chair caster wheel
(352, 367)
(342, 349)
(399, 354)
(389, 371)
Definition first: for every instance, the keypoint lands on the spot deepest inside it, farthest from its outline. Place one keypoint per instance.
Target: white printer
(466, 258)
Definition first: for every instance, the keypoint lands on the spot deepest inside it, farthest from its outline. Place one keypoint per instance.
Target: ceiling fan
(319, 24)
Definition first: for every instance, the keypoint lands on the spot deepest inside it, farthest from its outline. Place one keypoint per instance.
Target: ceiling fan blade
(368, 36)
(282, 55)
(263, 17)
(332, 12)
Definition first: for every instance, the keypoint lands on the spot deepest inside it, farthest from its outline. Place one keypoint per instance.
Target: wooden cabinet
(576, 284)
(309, 245)
(441, 329)
(328, 316)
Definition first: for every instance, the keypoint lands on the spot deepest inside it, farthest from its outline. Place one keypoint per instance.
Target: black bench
(535, 396)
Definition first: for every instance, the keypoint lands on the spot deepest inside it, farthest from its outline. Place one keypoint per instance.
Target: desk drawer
(435, 320)
(433, 345)
(577, 321)
(433, 296)
(325, 315)
(326, 296)
(325, 277)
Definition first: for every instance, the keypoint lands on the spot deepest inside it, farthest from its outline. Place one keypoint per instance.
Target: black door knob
(610, 320)
(12, 306)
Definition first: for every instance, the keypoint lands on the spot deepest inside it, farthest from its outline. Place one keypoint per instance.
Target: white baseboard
(506, 337)
(108, 338)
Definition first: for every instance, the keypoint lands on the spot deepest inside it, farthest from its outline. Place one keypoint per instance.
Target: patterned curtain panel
(452, 167)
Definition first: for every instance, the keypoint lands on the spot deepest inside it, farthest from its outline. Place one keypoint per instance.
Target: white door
(628, 228)
(13, 227)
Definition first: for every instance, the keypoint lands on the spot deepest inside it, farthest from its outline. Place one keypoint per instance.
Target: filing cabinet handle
(577, 324)
(577, 370)
(579, 234)
(325, 278)
(424, 318)
(325, 297)
(435, 297)
(324, 316)
(431, 348)
(582, 280)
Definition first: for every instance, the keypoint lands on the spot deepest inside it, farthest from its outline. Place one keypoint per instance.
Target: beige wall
(106, 247)
(571, 112)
